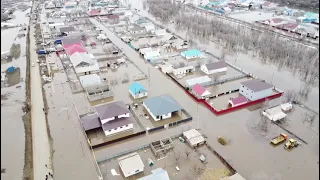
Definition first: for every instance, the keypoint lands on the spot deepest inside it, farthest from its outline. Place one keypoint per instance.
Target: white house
(131, 164)
(255, 89)
(84, 63)
(161, 107)
(203, 80)
(115, 117)
(90, 80)
(149, 27)
(151, 54)
(200, 91)
(216, 67)
(160, 32)
(183, 70)
(137, 90)
(274, 114)
(192, 54)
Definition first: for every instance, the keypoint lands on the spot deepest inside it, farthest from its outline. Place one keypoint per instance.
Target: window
(157, 117)
(127, 125)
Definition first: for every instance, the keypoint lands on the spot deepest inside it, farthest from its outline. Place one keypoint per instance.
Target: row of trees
(268, 47)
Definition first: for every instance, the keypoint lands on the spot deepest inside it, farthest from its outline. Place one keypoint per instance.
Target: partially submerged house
(255, 89)
(131, 164)
(84, 64)
(200, 92)
(237, 101)
(161, 107)
(215, 67)
(194, 138)
(203, 80)
(291, 27)
(274, 22)
(90, 80)
(137, 90)
(151, 54)
(183, 70)
(192, 54)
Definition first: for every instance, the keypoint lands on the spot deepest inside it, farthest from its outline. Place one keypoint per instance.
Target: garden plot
(181, 156)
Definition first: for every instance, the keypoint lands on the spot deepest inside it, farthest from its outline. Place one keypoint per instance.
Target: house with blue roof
(161, 107)
(192, 54)
(137, 90)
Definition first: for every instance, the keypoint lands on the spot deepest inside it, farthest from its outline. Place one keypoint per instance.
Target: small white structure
(200, 91)
(192, 54)
(102, 37)
(161, 107)
(216, 67)
(142, 51)
(183, 70)
(194, 138)
(286, 107)
(160, 32)
(137, 90)
(256, 89)
(131, 164)
(203, 80)
(84, 63)
(151, 55)
(90, 80)
(274, 114)
(167, 68)
(149, 27)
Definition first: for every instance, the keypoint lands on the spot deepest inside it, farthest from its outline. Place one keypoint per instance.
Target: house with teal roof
(192, 54)
(137, 90)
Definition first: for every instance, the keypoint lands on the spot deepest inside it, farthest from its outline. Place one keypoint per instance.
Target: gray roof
(216, 65)
(91, 121)
(73, 40)
(161, 105)
(256, 85)
(157, 174)
(117, 123)
(112, 110)
(130, 163)
(67, 29)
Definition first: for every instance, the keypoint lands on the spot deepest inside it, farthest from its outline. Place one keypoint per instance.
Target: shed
(192, 53)
(11, 69)
(151, 54)
(274, 114)
(184, 70)
(238, 101)
(215, 67)
(255, 89)
(286, 107)
(203, 80)
(194, 138)
(200, 91)
(131, 164)
(90, 80)
(137, 90)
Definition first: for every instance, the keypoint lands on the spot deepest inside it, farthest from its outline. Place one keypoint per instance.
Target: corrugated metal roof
(112, 109)
(198, 80)
(130, 163)
(117, 123)
(90, 80)
(90, 121)
(256, 85)
(162, 104)
(216, 65)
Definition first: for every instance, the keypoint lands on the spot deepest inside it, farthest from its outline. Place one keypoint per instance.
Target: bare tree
(197, 170)
(291, 96)
(309, 118)
(187, 151)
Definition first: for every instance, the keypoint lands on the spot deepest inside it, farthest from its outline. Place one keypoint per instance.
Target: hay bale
(223, 141)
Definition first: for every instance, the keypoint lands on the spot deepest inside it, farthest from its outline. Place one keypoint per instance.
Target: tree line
(268, 47)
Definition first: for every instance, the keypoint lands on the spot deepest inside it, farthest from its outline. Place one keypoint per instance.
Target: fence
(119, 139)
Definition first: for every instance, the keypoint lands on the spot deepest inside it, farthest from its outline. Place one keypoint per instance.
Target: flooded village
(158, 89)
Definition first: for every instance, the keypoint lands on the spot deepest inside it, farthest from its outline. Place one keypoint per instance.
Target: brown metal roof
(117, 123)
(216, 65)
(256, 85)
(112, 110)
(90, 121)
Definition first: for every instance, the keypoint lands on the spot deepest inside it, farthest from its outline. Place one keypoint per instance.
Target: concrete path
(41, 148)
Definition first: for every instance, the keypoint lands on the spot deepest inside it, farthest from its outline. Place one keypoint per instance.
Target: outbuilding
(238, 101)
(274, 114)
(131, 164)
(255, 89)
(200, 91)
(90, 80)
(183, 70)
(137, 90)
(194, 138)
(216, 67)
(192, 54)
(151, 54)
(203, 80)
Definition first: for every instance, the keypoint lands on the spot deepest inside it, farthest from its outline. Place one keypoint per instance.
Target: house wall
(165, 116)
(113, 118)
(182, 70)
(119, 129)
(249, 94)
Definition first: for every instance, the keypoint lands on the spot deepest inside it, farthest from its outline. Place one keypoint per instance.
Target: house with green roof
(137, 90)
(192, 54)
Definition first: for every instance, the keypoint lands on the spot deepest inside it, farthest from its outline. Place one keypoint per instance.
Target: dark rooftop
(90, 121)
(67, 29)
(112, 110)
(117, 123)
(256, 85)
(216, 65)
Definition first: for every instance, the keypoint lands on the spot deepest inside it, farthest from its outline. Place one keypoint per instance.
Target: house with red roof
(94, 12)
(200, 91)
(238, 101)
(75, 48)
(274, 22)
(291, 27)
